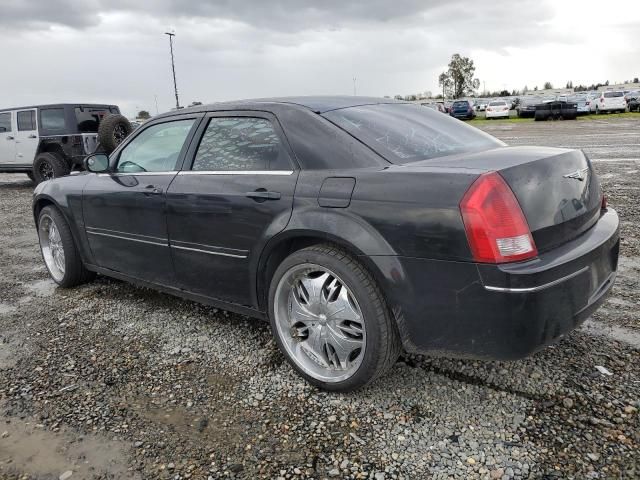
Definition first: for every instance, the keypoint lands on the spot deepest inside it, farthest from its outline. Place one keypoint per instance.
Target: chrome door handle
(33, 136)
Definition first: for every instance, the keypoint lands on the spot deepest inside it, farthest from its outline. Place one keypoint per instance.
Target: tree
(445, 82)
(569, 84)
(143, 114)
(548, 85)
(535, 89)
(458, 79)
(635, 80)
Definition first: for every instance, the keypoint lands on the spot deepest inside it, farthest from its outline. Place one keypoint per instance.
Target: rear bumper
(503, 312)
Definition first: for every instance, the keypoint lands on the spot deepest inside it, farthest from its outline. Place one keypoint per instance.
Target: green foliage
(143, 114)
(548, 85)
(459, 80)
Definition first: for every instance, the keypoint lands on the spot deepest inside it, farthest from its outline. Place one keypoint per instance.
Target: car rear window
(613, 94)
(89, 118)
(497, 104)
(404, 133)
(461, 104)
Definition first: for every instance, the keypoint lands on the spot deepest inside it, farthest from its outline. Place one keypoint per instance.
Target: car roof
(318, 104)
(59, 105)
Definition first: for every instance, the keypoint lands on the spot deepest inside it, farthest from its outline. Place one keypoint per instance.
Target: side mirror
(97, 163)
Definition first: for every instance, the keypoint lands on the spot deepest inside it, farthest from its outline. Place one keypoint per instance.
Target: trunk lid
(557, 189)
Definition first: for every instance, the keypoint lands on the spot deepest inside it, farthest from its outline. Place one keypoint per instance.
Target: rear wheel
(330, 319)
(59, 250)
(49, 165)
(31, 177)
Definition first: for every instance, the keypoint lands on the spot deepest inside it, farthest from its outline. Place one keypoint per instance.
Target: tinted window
(52, 119)
(461, 104)
(89, 118)
(27, 120)
(5, 122)
(240, 143)
(405, 133)
(156, 149)
(497, 104)
(613, 94)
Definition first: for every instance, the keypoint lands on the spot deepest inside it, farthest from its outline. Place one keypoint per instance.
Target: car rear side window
(52, 119)
(26, 120)
(5, 122)
(240, 143)
(404, 133)
(156, 149)
(613, 94)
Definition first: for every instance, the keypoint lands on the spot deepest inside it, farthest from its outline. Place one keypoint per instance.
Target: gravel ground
(113, 381)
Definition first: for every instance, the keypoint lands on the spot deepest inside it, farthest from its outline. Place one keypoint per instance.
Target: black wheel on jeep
(48, 165)
(112, 131)
(31, 177)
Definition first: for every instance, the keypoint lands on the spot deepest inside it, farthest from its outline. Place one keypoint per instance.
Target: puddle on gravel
(5, 309)
(41, 288)
(32, 451)
(621, 334)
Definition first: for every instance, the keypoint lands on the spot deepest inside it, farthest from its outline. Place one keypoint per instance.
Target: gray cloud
(114, 50)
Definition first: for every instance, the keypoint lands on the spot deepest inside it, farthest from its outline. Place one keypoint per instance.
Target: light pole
(173, 67)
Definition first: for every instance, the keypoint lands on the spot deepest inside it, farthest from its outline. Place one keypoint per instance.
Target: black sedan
(359, 227)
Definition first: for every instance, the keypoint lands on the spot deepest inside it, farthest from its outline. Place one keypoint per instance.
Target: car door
(7, 138)
(125, 211)
(26, 136)
(235, 193)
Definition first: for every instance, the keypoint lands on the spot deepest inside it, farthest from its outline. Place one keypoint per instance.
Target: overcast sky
(115, 51)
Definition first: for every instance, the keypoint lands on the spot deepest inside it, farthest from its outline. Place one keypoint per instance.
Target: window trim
(114, 157)
(187, 167)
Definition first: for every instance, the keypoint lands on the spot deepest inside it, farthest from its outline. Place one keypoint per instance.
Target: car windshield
(613, 94)
(404, 133)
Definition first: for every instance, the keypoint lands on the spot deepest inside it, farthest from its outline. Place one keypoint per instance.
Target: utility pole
(156, 98)
(173, 67)
(354, 86)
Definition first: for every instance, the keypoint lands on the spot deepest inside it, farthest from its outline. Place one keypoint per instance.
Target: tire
(49, 165)
(341, 282)
(66, 270)
(31, 177)
(112, 131)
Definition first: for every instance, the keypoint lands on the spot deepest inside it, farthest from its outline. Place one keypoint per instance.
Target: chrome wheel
(51, 246)
(320, 323)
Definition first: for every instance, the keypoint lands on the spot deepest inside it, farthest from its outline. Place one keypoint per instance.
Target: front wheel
(59, 250)
(330, 320)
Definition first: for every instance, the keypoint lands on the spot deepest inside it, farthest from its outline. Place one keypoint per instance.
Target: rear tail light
(496, 228)
(604, 202)
(602, 99)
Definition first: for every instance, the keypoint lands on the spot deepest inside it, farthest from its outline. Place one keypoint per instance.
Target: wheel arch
(49, 147)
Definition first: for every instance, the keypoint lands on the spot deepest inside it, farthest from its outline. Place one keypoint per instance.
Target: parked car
(633, 101)
(609, 101)
(438, 106)
(48, 141)
(481, 104)
(463, 109)
(497, 109)
(357, 226)
(527, 106)
(582, 103)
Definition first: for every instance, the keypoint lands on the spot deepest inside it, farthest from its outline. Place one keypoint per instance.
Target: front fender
(65, 193)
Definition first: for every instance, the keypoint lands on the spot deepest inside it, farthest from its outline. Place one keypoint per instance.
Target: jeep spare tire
(112, 131)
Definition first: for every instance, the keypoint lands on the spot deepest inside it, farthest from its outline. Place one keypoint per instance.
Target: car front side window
(156, 149)
(5, 122)
(240, 144)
